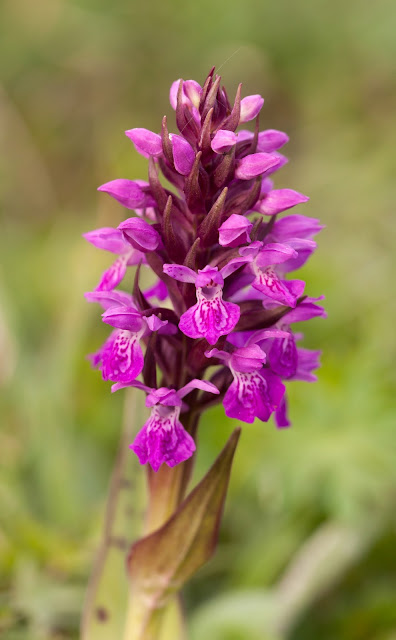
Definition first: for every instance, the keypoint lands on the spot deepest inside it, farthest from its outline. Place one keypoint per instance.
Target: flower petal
(126, 192)
(108, 239)
(235, 231)
(283, 356)
(127, 318)
(248, 359)
(179, 272)
(122, 359)
(250, 107)
(204, 385)
(273, 287)
(279, 200)
(295, 226)
(146, 142)
(183, 154)
(281, 417)
(223, 141)
(163, 439)
(109, 298)
(253, 395)
(209, 318)
(271, 140)
(140, 234)
(255, 164)
(112, 277)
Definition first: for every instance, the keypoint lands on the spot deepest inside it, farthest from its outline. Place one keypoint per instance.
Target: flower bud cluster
(218, 322)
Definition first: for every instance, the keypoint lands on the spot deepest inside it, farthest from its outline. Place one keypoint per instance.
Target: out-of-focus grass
(307, 542)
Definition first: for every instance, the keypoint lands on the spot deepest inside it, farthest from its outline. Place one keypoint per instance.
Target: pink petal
(109, 299)
(271, 139)
(108, 239)
(279, 200)
(126, 192)
(183, 154)
(209, 319)
(146, 142)
(223, 141)
(253, 395)
(140, 234)
(179, 272)
(122, 359)
(113, 275)
(250, 107)
(270, 284)
(163, 439)
(204, 385)
(248, 359)
(235, 231)
(254, 165)
(127, 318)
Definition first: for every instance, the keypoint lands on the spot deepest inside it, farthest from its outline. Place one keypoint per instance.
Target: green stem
(146, 618)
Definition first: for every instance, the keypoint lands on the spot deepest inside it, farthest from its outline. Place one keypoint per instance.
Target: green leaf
(160, 563)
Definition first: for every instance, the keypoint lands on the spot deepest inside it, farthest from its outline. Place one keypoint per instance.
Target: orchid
(219, 265)
(216, 323)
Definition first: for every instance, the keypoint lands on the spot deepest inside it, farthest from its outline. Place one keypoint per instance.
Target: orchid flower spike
(211, 233)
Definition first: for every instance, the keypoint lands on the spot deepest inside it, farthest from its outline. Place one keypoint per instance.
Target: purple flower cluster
(222, 298)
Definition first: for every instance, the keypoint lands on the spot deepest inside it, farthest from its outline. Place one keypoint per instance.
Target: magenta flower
(268, 268)
(163, 439)
(120, 358)
(211, 317)
(210, 232)
(113, 240)
(256, 392)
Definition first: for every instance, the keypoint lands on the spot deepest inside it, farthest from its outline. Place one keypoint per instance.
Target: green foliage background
(308, 539)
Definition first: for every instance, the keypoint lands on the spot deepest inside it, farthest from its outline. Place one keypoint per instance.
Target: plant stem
(146, 618)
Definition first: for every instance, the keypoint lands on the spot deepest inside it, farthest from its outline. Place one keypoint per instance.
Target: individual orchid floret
(129, 193)
(267, 267)
(223, 141)
(235, 231)
(163, 439)
(279, 200)
(140, 234)
(183, 154)
(121, 357)
(146, 142)
(255, 165)
(250, 108)
(211, 317)
(255, 392)
(113, 240)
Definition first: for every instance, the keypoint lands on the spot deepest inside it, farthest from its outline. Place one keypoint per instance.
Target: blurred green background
(308, 540)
